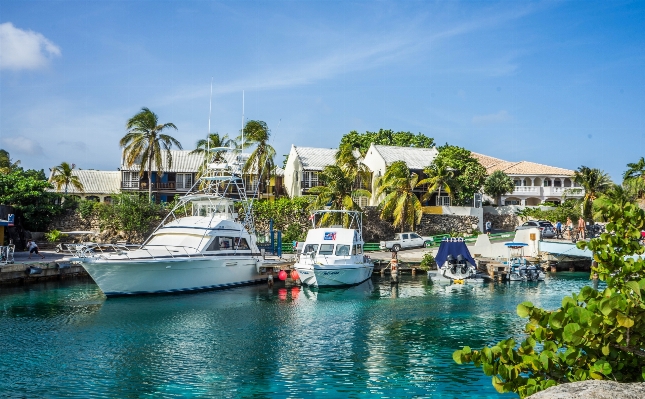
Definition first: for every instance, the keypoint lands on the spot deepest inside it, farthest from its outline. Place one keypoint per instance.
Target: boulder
(593, 389)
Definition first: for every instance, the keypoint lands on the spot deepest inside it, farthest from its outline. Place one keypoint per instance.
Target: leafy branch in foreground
(593, 335)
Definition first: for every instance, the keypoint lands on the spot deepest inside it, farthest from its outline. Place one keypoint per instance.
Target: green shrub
(428, 262)
(86, 208)
(55, 235)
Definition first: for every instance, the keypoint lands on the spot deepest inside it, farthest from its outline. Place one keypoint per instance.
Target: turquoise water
(65, 340)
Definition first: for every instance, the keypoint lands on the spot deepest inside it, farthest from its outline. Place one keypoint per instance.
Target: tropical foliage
(594, 182)
(568, 209)
(203, 146)
(336, 193)
(63, 175)
(634, 178)
(498, 184)
(439, 177)
(400, 202)
(469, 174)
(26, 192)
(131, 215)
(7, 165)
(257, 133)
(145, 142)
(290, 215)
(362, 141)
(618, 195)
(595, 334)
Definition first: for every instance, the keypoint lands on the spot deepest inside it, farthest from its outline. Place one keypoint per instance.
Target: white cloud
(22, 146)
(24, 49)
(499, 117)
(77, 145)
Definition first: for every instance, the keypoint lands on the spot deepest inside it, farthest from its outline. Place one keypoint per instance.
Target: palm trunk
(150, 179)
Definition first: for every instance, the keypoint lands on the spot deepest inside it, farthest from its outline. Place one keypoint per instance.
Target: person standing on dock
(489, 227)
(32, 247)
(581, 228)
(558, 229)
(569, 227)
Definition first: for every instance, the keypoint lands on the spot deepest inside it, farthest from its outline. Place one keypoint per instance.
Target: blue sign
(10, 219)
(330, 235)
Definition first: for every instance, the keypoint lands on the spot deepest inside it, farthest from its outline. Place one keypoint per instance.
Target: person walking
(569, 227)
(581, 228)
(33, 248)
(558, 229)
(489, 227)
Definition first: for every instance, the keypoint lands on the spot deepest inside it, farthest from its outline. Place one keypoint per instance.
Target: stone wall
(502, 222)
(72, 221)
(375, 229)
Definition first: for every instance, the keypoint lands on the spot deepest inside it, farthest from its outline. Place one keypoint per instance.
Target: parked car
(546, 228)
(404, 241)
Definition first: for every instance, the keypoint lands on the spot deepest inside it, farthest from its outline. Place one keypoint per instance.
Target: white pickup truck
(404, 241)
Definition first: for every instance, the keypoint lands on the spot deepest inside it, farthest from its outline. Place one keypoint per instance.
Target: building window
(93, 198)
(309, 179)
(547, 183)
(107, 200)
(511, 202)
(130, 179)
(444, 200)
(184, 181)
(518, 183)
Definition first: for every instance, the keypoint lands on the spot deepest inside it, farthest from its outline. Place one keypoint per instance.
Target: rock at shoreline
(593, 389)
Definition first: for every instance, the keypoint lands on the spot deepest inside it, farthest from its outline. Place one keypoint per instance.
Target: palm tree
(144, 142)
(616, 195)
(439, 177)
(400, 201)
(203, 146)
(594, 182)
(498, 184)
(634, 177)
(63, 175)
(337, 193)
(6, 163)
(350, 161)
(257, 133)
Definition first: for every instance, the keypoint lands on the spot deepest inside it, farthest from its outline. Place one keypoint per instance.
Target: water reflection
(371, 340)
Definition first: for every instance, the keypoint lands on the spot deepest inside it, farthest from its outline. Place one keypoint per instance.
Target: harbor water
(63, 339)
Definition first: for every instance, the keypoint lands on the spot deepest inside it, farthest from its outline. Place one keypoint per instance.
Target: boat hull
(127, 277)
(333, 275)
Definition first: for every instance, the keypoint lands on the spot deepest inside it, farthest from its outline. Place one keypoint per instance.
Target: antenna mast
(210, 110)
(242, 121)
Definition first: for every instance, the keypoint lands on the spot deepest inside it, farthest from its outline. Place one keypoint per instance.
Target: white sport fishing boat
(200, 245)
(455, 264)
(333, 256)
(520, 269)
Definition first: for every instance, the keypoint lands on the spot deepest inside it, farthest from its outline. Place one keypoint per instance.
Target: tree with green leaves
(595, 334)
(257, 133)
(634, 178)
(350, 161)
(362, 141)
(616, 194)
(498, 184)
(144, 143)
(400, 202)
(337, 193)
(131, 214)
(594, 182)
(469, 174)
(63, 175)
(7, 165)
(439, 176)
(27, 192)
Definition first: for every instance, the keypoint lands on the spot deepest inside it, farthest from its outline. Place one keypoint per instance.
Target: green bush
(55, 235)
(428, 262)
(593, 335)
(86, 208)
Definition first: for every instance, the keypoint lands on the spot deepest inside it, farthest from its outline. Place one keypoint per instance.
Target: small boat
(520, 269)
(201, 244)
(333, 256)
(455, 264)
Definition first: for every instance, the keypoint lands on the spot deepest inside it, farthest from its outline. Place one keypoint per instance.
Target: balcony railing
(548, 191)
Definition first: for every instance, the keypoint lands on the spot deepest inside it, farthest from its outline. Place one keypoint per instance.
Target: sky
(560, 83)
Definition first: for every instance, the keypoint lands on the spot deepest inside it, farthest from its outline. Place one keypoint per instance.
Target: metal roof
(415, 158)
(95, 182)
(316, 158)
(182, 161)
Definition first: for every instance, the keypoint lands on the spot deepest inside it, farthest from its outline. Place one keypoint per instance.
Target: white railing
(527, 190)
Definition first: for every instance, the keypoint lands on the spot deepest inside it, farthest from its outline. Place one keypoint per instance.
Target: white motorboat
(201, 244)
(519, 268)
(455, 264)
(333, 256)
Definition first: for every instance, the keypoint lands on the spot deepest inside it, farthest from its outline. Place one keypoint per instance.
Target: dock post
(394, 263)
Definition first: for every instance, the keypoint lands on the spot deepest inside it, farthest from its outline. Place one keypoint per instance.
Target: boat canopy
(516, 244)
(453, 248)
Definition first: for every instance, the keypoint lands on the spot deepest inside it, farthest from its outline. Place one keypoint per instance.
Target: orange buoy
(295, 275)
(282, 275)
(282, 294)
(295, 291)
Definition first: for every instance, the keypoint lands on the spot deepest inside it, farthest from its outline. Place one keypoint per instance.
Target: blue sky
(559, 83)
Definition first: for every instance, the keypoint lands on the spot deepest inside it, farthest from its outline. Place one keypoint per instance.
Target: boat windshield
(310, 248)
(326, 249)
(177, 240)
(342, 250)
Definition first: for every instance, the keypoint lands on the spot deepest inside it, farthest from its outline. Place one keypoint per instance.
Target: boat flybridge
(203, 243)
(519, 268)
(333, 256)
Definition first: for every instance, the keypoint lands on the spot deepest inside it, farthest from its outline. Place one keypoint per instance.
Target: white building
(534, 183)
(379, 157)
(303, 166)
(98, 185)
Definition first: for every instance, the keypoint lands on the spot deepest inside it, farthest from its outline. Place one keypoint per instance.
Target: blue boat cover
(453, 248)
